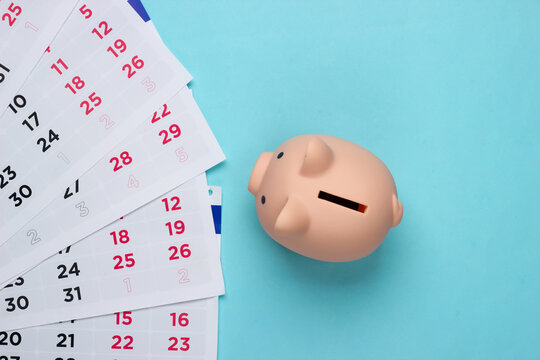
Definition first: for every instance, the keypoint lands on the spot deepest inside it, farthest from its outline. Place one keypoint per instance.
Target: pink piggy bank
(325, 197)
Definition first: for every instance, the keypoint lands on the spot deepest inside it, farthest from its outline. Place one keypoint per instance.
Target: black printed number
(65, 251)
(20, 303)
(23, 193)
(14, 338)
(52, 137)
(2, 78)
(72, 294)
(64, 273)
(7, 173)
(18, 282)
(19, 102)
(66, 340)
(69, 193)
(32, 122)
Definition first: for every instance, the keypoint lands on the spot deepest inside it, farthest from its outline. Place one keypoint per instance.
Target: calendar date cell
(18, 303)
(124, 159)
(4, 70)
(24, 192)
(6, 176)
(161, 113)
(124, 318)
(10, 16)
(124, 261)
(14, 338)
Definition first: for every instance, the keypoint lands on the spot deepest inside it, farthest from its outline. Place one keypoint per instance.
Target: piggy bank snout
(259, 170)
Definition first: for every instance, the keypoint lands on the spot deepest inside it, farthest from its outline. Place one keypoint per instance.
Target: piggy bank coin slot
(353, 205)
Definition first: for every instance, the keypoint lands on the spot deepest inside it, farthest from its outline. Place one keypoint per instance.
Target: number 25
(16, 10)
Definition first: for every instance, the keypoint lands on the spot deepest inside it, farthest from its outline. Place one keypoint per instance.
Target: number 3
(83, 210)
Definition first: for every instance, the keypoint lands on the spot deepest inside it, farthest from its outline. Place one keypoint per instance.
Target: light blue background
(447, 94)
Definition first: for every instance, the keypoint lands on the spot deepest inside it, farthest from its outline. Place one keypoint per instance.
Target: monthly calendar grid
(35, 26)
(156, 271)
(195, 336)
(149, 188)
(79, 157)
(191, 262)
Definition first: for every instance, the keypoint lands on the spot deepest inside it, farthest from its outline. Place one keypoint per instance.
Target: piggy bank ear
(397, 208)
(319, 157)
(258, 172)
(293, 218)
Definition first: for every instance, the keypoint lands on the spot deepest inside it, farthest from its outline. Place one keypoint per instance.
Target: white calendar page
(163, 253)
(103, 195)
(187, 330)
(103, 73)
(26, 29)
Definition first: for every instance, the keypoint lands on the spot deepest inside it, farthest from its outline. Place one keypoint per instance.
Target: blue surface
(447, 94)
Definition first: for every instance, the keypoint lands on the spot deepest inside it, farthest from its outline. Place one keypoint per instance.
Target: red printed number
(15, 11)
(102, 30)
(119, 45)
(128, 258)
(87, 13)
(164, 113)
(122, 237)
(118, 342)
(174, 344)
(77, 82)
(179, 319)
(175, 202)
(59, 65)
(124, 318)
(182, 251)
(174, 130)
(137, 64)
(177, 228)
(125, 159)
(94, 100)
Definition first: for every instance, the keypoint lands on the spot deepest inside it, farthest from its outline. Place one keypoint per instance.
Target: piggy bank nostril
(263, 199)
(280, 155)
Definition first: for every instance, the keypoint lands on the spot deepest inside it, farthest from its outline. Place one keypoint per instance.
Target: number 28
(125, 159)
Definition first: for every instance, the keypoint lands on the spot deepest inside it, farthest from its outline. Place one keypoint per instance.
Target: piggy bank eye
(263, 199)
(280, 155)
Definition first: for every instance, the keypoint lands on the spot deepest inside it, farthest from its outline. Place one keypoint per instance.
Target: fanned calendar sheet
(109, 233)
(26, 28)
(163, 253)
(173, 145)
(98, 80)
(181, 330)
